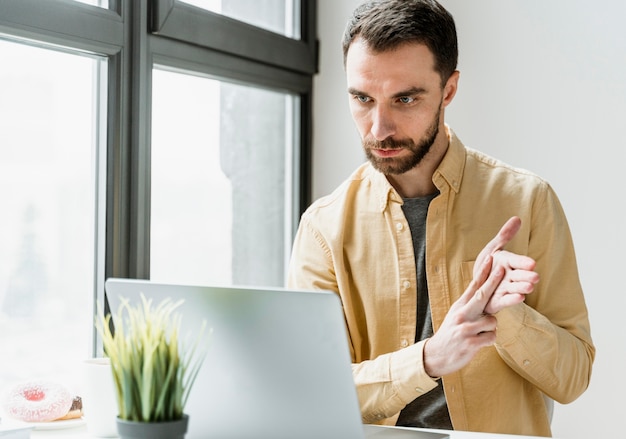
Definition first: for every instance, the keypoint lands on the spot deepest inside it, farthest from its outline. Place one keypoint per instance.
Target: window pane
(101, 3)
(279, 16)
(221, 182)
(47, 224)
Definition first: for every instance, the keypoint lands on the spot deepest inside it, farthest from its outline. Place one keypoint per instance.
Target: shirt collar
(382, 190)
(450, 170)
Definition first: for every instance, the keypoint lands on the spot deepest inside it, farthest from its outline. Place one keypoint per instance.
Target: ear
(449, 90)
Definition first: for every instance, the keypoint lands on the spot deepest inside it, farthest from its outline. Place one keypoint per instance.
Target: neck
(413, 184)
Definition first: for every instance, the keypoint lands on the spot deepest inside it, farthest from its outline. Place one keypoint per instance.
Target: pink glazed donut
(38, 401)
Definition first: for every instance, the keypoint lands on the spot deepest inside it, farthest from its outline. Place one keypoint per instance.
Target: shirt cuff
(510, 324)
(407, 373)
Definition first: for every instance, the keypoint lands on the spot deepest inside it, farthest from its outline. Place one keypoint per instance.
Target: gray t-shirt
(429, 410)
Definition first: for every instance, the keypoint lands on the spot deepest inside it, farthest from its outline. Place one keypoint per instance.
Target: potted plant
(153, 371)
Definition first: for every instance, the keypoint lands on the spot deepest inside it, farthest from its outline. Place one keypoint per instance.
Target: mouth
(387, 153)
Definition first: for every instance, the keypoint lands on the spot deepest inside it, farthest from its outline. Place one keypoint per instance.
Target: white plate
(59, 425)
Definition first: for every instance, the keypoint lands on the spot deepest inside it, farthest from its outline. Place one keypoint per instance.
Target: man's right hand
(466, 328)
(500, 279)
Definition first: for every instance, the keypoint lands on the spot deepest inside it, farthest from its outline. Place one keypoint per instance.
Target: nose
(383, 125)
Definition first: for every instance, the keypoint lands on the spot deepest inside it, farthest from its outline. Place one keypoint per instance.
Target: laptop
(278, 365)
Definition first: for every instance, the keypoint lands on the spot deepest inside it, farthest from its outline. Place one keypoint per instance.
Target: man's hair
(387, 24)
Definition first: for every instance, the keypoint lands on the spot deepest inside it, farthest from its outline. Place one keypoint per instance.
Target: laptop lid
(278, 364)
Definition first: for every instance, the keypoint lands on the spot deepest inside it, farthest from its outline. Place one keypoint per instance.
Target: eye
(406, 99)
(362, 99)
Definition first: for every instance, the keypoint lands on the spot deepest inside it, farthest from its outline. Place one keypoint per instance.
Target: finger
(518, 281)
(481, 273)
(514, 288)
(506, 301)
(521, 276)
(478, 303)
(515, 261)
(484, 323)
(510, 300)
(504, 235)
(484, 331)
(487, 338)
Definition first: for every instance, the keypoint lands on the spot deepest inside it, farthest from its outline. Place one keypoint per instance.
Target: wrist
(427, 368)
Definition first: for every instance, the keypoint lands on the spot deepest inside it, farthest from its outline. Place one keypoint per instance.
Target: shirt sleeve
(384, 385)
(547, 339)
(388, 383)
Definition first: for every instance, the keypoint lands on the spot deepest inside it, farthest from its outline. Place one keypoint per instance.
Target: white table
(81, 433)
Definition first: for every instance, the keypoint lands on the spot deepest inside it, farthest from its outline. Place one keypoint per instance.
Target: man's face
(396, 100)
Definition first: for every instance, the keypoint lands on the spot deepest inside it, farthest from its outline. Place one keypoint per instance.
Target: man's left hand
(519, 275)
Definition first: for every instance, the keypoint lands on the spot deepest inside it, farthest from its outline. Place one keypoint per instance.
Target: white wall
(543, 86)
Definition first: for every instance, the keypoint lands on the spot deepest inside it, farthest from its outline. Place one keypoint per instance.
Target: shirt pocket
(467, 272)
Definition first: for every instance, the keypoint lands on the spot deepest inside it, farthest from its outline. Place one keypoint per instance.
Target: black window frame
(134, 35)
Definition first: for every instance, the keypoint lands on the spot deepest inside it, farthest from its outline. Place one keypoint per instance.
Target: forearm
(547, 339)
(556, 360)
(385, 385)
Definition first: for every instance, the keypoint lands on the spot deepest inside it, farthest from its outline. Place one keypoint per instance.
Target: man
(449, 326)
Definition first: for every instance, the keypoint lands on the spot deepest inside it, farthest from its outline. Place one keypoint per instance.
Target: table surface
(81, 433)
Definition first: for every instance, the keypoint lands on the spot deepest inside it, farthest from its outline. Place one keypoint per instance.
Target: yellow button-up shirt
(357, 243)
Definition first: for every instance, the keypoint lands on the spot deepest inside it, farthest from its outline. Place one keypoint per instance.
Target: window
(222, 181)
(123, 146)
(48, 187)
(101, 3)
(280, 16)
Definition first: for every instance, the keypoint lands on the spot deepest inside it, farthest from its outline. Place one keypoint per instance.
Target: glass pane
(47, 190)
(221, 182)
(279, 16)
(101, 3)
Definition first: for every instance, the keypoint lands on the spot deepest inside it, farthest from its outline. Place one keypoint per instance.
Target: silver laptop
(278, 364)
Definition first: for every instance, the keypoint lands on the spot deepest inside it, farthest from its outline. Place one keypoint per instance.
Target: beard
(400, 165)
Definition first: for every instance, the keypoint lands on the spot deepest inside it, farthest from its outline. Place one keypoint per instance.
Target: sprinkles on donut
(38, 401)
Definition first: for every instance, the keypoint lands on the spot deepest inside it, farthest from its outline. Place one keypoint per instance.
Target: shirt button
(399, 227)
(419, 390)
(404, 343)
(406, 284)
(526, 362)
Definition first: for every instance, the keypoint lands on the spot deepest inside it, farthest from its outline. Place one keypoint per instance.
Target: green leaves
(153, 372)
